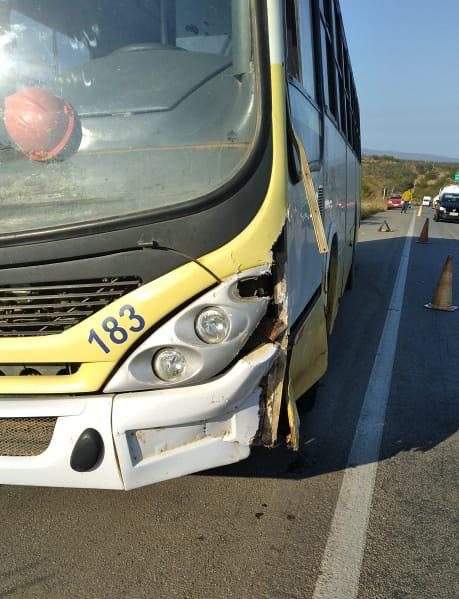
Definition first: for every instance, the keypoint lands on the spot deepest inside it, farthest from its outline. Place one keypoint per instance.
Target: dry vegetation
(379, 172)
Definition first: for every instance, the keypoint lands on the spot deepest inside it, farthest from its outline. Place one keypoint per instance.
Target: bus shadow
(423, 406)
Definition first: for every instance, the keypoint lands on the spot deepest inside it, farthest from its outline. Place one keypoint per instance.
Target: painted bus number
(114, 331)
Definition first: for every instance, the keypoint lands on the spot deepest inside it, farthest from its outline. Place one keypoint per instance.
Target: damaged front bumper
(147, 436)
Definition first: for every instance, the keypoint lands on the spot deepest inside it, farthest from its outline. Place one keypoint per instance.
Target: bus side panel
(304, 263)
(308, 361)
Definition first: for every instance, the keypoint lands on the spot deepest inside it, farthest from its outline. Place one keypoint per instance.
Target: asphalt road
(261, 528)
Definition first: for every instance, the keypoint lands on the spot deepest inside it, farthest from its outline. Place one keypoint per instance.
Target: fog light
(169, 365)
(212, 325)
(88, 451)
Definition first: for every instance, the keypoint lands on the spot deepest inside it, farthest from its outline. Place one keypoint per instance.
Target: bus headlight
(169, 365)
(442, 209)
(212, 325)
(198, 342)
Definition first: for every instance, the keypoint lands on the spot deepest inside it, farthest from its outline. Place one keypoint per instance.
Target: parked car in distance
(447, 207)
(426, 201)
(395, 200)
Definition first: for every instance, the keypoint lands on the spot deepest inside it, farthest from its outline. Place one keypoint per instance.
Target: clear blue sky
(405, 57)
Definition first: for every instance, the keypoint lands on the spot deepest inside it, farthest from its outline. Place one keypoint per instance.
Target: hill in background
(394, 174)
(411, 156)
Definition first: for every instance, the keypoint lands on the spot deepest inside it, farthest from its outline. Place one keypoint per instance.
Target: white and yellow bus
(179, 206)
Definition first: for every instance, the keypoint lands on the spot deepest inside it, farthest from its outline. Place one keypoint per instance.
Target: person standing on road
(406, 196)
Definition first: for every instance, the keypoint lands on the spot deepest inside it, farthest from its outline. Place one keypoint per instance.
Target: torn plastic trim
(276, 380)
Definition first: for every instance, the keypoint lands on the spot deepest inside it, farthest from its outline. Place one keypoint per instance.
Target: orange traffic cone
(424, 236)
(443, 296)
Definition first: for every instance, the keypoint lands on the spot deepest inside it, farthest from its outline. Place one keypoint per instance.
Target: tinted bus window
(323, 44)
(293, 61)
(307, 49)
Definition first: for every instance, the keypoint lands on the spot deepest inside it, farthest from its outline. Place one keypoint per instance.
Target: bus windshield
(110, 108)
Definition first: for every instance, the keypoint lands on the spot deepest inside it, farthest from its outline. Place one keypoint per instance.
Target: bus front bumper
(147, 436)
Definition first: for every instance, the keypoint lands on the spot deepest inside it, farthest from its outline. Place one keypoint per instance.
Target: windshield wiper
(154, 245)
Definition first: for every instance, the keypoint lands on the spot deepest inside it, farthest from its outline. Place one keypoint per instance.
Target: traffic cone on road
(443, 296)
(384, 228)
(424, 236)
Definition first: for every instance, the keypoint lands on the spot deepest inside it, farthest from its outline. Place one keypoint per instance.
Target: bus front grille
(38, 369)
(50, 308)
(25, 436)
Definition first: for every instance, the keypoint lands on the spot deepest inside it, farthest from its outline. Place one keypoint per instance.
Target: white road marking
(342, 560)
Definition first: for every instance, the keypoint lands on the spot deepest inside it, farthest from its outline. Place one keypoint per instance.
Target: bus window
(325, 9)
(328, 66)
(307, 49)
(293, 62)
(325, 78)
(306, 119)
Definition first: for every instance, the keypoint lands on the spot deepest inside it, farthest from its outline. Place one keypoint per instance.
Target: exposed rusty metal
(278, 332)
(273, 401)
(272, 329)
(293, 438)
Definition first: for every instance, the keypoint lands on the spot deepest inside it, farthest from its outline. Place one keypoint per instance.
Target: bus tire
(351, 275)
(331, 308)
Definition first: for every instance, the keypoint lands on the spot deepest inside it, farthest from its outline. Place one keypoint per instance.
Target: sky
(405, 58)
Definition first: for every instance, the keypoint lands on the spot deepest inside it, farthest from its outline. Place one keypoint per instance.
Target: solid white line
(342, 560)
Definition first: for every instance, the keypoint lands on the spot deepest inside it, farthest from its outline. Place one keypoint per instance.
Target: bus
(179, 208)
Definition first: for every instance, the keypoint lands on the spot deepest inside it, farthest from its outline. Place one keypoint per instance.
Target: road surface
(367, 509)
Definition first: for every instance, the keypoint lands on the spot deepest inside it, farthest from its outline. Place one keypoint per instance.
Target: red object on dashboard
(39, 123)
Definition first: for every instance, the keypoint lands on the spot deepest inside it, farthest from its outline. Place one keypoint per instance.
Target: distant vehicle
(395, 200)
(426, 201)
(447, 207)
(435, 201)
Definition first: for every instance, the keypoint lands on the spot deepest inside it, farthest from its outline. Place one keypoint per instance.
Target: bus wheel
(351, 275)
(331, 308)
